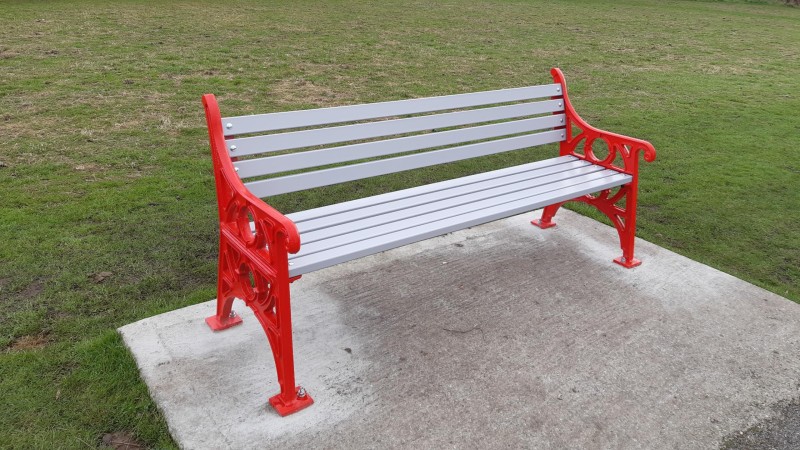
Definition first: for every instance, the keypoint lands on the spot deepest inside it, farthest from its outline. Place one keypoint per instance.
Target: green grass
(105, 161)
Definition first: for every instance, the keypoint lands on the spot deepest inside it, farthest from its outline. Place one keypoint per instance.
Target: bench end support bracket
(627, 263)
(546, 220)
(542, 224)
(622, 155)
(292, 405)
(218, 325)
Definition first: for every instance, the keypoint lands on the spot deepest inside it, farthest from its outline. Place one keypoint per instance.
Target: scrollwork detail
(609, 205)
(582, 145)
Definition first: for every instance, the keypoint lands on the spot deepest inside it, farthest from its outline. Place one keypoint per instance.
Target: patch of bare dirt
(99, 277)
(122, 440)
(6, 53)
(30, 342)
(298, 90)
(32, 290)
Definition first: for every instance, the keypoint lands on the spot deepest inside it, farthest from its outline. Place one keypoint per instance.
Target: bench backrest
(462, 126)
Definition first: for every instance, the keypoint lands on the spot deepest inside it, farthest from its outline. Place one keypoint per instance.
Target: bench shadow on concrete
(502, 335)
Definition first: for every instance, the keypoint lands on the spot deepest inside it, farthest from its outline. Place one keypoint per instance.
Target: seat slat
(300, 264)
(316, 158)
(331, 225)
(420, 215)
(366, 202)
(291, 183)
(325, 116)
(330, 135)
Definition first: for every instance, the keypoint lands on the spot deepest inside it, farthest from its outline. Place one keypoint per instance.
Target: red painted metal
(621, 206)
(254, 265)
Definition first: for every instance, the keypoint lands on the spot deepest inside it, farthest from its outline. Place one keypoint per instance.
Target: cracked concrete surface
(500, 336)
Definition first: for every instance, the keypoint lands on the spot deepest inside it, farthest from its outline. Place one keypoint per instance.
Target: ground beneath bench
(500, 336)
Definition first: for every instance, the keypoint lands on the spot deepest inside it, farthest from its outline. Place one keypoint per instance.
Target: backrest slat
(291, 183)
(322, 136)
(324, 116)
(316, 158)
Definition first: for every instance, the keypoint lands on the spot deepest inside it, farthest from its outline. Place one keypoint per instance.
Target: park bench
(259, 156)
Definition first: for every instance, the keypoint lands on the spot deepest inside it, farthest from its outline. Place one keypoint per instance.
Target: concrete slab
(501, 336)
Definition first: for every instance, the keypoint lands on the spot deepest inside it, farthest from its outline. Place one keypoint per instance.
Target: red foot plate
(218, 325)
(286, 408)
(541, 225)
(633, 262)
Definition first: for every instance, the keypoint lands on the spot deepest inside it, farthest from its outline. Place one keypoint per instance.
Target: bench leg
(627, 239)
(267, 295)
(225, 316)
(547, 216)
(623, 218)
(277, 323)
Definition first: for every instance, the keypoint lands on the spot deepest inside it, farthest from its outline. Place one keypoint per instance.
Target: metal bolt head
(229, 125)
(233, 148)
(236, 169)
(560, 104)
(232, 314)
(558, 89)
(301, 392)
(562, 120)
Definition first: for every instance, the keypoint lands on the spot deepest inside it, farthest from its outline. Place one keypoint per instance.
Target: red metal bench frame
(253, 266)
(628, 149)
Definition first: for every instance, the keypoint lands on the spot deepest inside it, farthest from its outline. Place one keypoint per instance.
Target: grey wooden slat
(338, 114)
(377, 225)
(343, 222)
(330, 135)
(338, 208)
(316, 158)
(300, 264)
(325, 177)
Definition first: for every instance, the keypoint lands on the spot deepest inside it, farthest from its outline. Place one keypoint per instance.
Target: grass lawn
(108, 213)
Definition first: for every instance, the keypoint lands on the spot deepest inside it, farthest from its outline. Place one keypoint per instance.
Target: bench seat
(338, 233)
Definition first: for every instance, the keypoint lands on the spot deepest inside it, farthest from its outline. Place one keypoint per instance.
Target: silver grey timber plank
(338, 114)
(304, 264)
(332, 224)
(348, 233)
(352, 205)
(325, 177)
(330, 135)
(323, 157)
